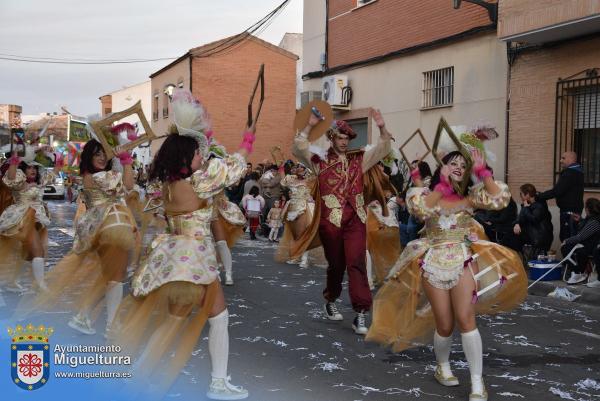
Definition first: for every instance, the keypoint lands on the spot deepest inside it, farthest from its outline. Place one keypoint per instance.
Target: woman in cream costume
(105, 233)
(23, 225)
(297, 215)
(451, 273)
(176, 290)
(228, 220)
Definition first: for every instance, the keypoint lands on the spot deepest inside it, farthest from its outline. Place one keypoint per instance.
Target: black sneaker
(359, 324)
(332, 312)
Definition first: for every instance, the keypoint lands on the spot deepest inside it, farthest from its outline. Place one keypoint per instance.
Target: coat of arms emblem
(30, 355)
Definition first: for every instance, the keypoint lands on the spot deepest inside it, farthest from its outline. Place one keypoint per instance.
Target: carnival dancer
(228, 221)
(342, 210)
(180, 272)
(297, 215)
(105, 233)
(451, 273)
(23, 225)
(274, 221)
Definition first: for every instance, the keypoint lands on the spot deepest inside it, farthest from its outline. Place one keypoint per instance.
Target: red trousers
(253, 222)
(345, 249)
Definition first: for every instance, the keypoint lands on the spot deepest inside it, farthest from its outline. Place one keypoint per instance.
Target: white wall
(313, 35)
(292, 42)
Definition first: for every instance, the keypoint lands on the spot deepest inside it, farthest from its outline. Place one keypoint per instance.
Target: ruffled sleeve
(287, 180)
(219, 174)
(17, 182)
(110, 182)
(481, 199)
(415, 202)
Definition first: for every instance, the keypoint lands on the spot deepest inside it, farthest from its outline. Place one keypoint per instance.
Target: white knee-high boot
(38, 273)
(225, 256)
(441, 348)
(473, 350)
(218, 344)
(304, 259)
(114, 296)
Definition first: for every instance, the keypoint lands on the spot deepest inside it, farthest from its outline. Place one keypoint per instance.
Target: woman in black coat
(534, 224)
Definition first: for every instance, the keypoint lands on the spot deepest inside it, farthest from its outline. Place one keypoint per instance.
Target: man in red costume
(342, 227)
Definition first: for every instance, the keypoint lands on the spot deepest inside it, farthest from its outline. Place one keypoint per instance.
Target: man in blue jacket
(568, 193)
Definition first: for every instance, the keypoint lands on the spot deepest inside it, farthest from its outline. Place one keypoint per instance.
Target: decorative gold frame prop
(102, 129)
(252, 119)
(419, 134)
(443, 126)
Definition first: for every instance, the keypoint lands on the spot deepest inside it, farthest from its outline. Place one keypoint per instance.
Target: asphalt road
(283, 348)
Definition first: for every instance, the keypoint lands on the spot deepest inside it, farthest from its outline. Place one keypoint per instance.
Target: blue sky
(113, 29)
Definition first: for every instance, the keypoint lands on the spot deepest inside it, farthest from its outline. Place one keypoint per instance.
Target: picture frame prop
(302, 115)
(102, 130)
(443, 129)
(260, 80)
(277, 155)
(416, 134)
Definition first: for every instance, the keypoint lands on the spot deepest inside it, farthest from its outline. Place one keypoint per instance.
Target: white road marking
(584, 333)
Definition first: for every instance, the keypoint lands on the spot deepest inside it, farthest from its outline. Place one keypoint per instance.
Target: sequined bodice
(31, 193)
(96, 197)
(449, 227)
(300, 189)
(193, 224)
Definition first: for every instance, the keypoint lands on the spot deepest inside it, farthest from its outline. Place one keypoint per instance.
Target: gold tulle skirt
(13, 248)
(139, 318)
(79, 280)
(298, 237)
(233, 232)
(383, 243)
(402, 316)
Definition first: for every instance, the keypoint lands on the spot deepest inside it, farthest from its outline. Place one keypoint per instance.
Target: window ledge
(364, 5)
(442, 106)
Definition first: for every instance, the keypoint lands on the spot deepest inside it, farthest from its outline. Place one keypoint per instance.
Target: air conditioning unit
(336, 91)
(309, 96)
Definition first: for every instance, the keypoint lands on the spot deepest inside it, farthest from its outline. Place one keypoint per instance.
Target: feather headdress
(191, 118)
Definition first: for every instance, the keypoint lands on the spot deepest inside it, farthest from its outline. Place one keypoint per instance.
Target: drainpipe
(507, 114)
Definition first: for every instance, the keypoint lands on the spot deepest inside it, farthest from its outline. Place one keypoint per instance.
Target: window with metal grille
(155, 107)
(578, 123)
(438, 88)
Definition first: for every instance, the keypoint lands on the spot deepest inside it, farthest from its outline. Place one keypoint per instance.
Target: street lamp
(492, 8)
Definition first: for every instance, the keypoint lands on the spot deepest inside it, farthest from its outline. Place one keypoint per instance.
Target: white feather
(319, 151)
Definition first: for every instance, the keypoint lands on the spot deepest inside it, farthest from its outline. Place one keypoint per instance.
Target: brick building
(414, 60)
(222, 76)
(554, 56)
